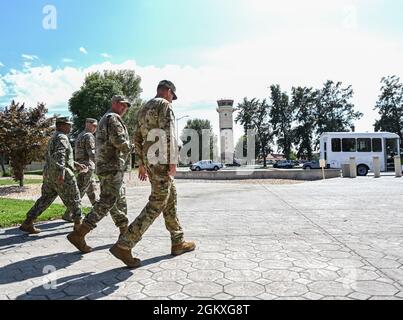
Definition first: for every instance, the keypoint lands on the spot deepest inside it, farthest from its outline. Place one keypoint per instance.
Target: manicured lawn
(13, 212)
(11, 182)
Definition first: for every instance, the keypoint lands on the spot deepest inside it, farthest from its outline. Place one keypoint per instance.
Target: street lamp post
(177, 126)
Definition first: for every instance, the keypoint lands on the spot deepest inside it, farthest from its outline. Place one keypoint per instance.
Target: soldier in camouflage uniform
(58, 178)
(85, 154)
(112, 158)
(157, 114)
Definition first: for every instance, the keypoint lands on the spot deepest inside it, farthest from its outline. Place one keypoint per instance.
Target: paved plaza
(334, 239)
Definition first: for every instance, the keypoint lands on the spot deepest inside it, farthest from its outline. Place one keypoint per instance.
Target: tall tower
(226, 111)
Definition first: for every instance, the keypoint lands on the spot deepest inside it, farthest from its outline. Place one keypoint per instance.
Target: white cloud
(1, 64)
(83, 50)
(106, 55)
(67, 60)
(2, 88)
(45, 84)
(29, 57)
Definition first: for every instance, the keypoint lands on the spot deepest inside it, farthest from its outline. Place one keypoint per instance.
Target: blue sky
(154, 31)
(212, 49)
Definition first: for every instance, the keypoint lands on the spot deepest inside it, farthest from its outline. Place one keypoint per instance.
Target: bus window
(392, 147)
(364, 145)
(349, 145)
(336, 145)
(377, 145)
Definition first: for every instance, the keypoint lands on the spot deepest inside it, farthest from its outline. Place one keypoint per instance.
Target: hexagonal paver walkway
(335, 239)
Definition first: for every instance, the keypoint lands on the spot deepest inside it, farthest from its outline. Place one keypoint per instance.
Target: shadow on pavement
(11, 242)
(86, 285)
(156, 260)
(81, 286)
(34, 267)
(19, 237)
(43, 225)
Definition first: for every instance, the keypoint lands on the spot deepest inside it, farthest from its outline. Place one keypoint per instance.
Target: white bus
(337, 148)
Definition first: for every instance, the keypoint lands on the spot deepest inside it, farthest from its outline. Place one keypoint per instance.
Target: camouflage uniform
(85, 154)
(112, 156)
(156, 114)
(59, 162)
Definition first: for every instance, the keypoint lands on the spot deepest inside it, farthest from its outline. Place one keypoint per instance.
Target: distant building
(226, 111)
(275, 157)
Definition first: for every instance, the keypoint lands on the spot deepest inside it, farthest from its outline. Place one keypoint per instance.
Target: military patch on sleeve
(116, 126)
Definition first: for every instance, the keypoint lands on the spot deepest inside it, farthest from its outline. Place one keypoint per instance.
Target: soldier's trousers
(68, 192)
(92, 191)
(87, 185)
(112, 199)
(163, 199)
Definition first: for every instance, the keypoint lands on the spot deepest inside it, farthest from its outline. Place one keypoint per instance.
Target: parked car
(311, 165)
(284, 164)
(206, 165)
(236, 163)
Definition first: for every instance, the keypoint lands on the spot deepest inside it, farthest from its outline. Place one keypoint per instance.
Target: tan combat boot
(77, 238)
(182, 248)
(77, 224)
(28, 226)
(125, 255)
(123, 230)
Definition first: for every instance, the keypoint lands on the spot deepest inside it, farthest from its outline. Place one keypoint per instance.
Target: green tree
(199, 125)
(390, 107)
(293, 155)
(93, 99)
(130, 118)
(245, 115)
(24, 134)
(282, 116)
(304, 104)
(334, 111)
(255, 114)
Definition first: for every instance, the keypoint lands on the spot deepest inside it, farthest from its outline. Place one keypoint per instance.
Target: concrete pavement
(334, 239)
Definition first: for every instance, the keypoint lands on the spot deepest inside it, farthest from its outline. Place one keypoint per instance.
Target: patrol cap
(121, 99)
(92, 121)
(63, 120)
(169, 85)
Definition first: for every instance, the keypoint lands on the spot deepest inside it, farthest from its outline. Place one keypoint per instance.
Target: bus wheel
(362, 170)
